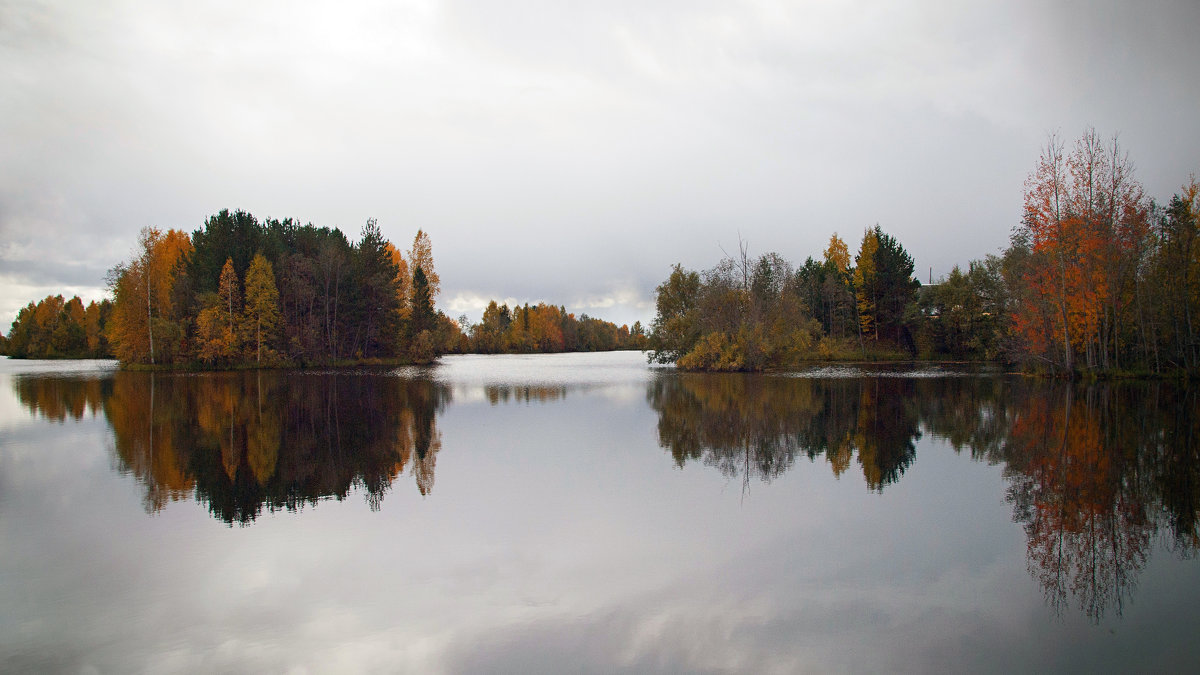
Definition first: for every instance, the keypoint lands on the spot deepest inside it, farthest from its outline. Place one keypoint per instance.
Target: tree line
(241, 291)
(750, 314)
(1098, 278)
(54, 328)
(545, 328)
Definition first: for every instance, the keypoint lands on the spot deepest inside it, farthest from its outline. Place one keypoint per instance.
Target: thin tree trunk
(1062, 303)
(149, 315)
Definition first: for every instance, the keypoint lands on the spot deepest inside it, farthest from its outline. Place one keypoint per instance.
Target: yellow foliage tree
(260, 319)
(838, 254)
(864, 282)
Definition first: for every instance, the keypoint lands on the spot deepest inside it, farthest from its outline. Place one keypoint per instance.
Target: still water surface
(588, 513)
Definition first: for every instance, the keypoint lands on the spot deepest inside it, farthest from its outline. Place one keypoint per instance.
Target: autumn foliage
(1102, 278)
(758, 427)
(547, 329)
(750, 314)
(1099, 475)
(240, 291)
(247, 442)
(58, 328)
(142, 327)
(1098, 279)
(1087, 228)
(1093, 492)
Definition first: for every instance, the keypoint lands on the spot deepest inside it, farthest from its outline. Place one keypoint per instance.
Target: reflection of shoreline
(1094, 473)
(502, 394)
(244, 441)
(756, 426)
(1097, 474)
(497, 394)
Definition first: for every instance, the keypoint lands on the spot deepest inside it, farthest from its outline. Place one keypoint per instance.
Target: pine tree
(421, 305)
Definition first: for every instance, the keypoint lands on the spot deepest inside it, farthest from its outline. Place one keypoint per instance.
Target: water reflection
(248, 441)
(756, 426)
(497, 394)
(60, 398)
(1095, 473)
(1097, 476)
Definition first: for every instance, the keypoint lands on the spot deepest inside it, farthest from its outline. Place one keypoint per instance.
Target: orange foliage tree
(421, 256)
(144, 327)
(403, 279)
(1086, 225)
(217, 323)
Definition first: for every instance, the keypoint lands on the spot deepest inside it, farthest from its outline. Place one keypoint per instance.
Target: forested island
(1098, 279)
(243, 293)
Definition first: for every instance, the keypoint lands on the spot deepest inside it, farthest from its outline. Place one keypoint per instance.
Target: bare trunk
(1189, 357)
(149, 314)
(1062, 303)
(336, 289)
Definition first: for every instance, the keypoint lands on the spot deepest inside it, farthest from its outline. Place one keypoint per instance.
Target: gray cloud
(561, 153)
(50, 273)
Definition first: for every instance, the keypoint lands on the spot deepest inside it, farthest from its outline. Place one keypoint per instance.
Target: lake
(591, 513)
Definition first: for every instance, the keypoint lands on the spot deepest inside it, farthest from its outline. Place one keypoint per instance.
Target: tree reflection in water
(244, 441)
(497, 394)
(60, 398)
(756, 426)
(1095, 473)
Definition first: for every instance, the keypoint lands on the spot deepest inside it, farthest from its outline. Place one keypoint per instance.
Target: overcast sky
(566, 151)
